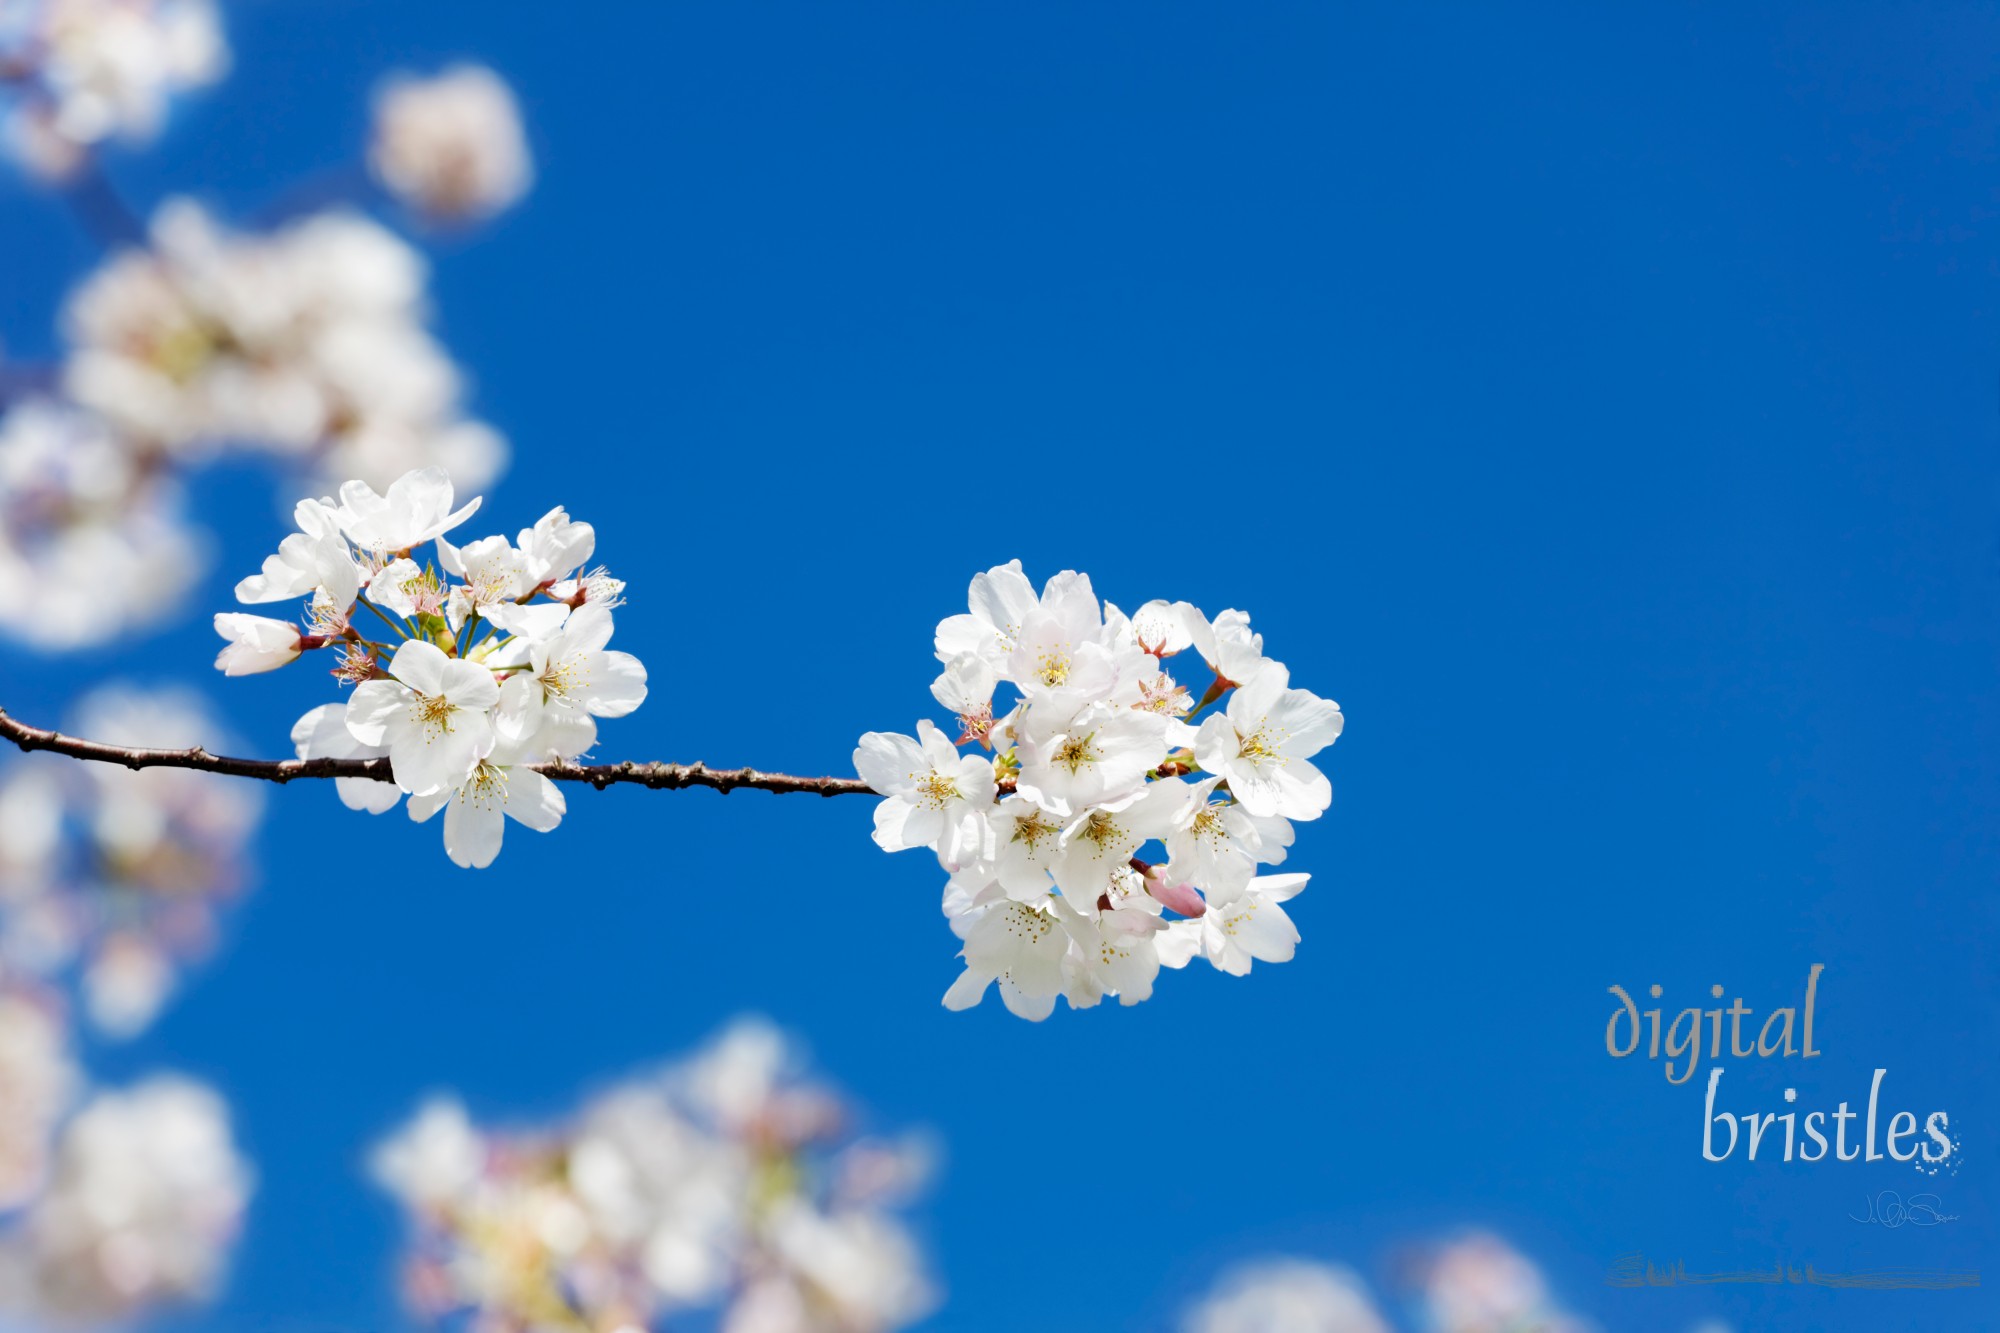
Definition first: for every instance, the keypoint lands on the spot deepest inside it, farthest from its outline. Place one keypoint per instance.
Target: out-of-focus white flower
(93, 543)
(84, 71)
(120, 875)
(433, 1158)
(451, 145)
(37, 1080)
(702, 1184)
(126, 983)
(143, 1203)
(1480, 1284)
(1054, 888)
(307, 341)
(833, 1272)
(1286, 1296)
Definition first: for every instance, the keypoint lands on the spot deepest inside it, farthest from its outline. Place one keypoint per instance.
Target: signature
(1889, 1209)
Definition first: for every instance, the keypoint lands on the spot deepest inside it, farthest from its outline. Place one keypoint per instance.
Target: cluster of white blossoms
(93, 539)
(308, 342)
(1475, 1283)
(451, 146)
(140, 1207)
(492, 657)
(37, 1081)
(1097, 757)
(76, 73)
(116, 880)
(728, 1181)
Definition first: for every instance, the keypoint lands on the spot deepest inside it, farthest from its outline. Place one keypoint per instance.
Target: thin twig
(656, 775)
(101, 209)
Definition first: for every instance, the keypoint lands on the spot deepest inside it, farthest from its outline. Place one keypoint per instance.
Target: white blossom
(1021, 946)
(1262, 746)
(37, 1080)
(1232, 652)
(723, 1181)
(501, 787)
(1477, 1283)
(313, 560)
(323, 733)
(111, 880)
(1240, 927)
(144, 1201)
(86, 71)
(1286, 1296)
(576, 679)
(469, 670)
(932, 794)
(93, 541)
(415, 509)
(1055, 889)
(256, 643)
(307, 342)
(434, 716)
(452, 145)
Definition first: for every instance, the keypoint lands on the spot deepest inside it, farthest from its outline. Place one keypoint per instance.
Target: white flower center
(935, 791)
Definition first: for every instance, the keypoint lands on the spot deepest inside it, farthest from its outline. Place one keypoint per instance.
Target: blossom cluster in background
(1097, 759)
(81, 509)
(489, 660)
(115, 879)
(307, 339)
(1473, 1283)
(726, 1181)
(111, 1203)
(78, 73)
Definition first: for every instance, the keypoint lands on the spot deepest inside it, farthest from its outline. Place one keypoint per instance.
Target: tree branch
(656, 775)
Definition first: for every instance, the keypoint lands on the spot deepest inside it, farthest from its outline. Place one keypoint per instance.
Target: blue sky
(1599, 405)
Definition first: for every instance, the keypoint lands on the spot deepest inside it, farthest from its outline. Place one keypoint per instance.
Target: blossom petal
(370, 708)
(420, 665)
(888, 762)
(617, 684)
(533, 800)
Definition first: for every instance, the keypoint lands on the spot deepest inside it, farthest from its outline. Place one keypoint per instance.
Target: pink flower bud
(1180, 897)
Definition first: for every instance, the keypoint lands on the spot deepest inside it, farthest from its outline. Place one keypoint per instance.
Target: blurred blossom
(117, 875)
(452, 146)
(142, 1205)
(37, 1080)
(92, 539)
(307, 342)
(1473, 1283)
(1286, 1296)
(1479, 1284)
(75, 73)
(704, 1184)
